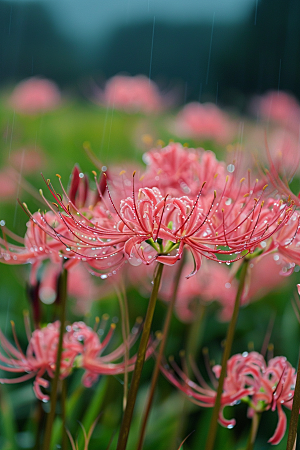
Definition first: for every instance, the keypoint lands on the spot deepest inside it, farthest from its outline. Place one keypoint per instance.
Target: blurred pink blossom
(8, 185)
(204, 121)
(131, 94)
(34, 96)
(279, 107)
(27, 160)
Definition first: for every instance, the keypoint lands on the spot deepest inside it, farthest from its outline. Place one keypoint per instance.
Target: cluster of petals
(203, 121)
(131, 94)
(82, 348)
(35, 95)
(262, 385)
(178, 170)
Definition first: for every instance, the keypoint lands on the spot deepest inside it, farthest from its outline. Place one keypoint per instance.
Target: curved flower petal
(281, 426)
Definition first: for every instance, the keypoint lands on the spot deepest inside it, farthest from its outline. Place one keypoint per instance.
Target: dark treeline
(260, 53)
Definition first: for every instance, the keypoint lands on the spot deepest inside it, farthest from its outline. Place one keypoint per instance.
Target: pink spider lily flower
(38, 360)
(249, 379)
(203, 121)
(82, 348)
(151, 227)
(277, 385)
(131, 94)
(35, 95)
(90, 348)
(235, 389)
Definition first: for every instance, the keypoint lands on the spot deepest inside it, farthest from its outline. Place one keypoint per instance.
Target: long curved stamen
(224, 230)
(205, 219)
(134, 204)
(161, 216)
(113, 205)
(192, 210)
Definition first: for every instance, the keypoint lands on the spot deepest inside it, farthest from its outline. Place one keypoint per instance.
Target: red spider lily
(155, 228)
(261, 385)
(82, 348)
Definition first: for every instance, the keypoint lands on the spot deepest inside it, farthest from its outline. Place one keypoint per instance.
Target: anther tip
(159, 335)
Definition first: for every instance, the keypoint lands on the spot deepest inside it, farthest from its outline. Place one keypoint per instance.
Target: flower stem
(226, 354)
(160, 353)
(62, 289)
(64, 441)
(253, 432)
(135, 381)
(292, 434)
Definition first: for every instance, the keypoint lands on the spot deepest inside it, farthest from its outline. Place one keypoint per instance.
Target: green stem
(125, 335)
(226, 354)
(71, 404)
(127, 417)
(54, 388)
(292, 434)
(253, 432)
(160, 353)
(64, 441)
